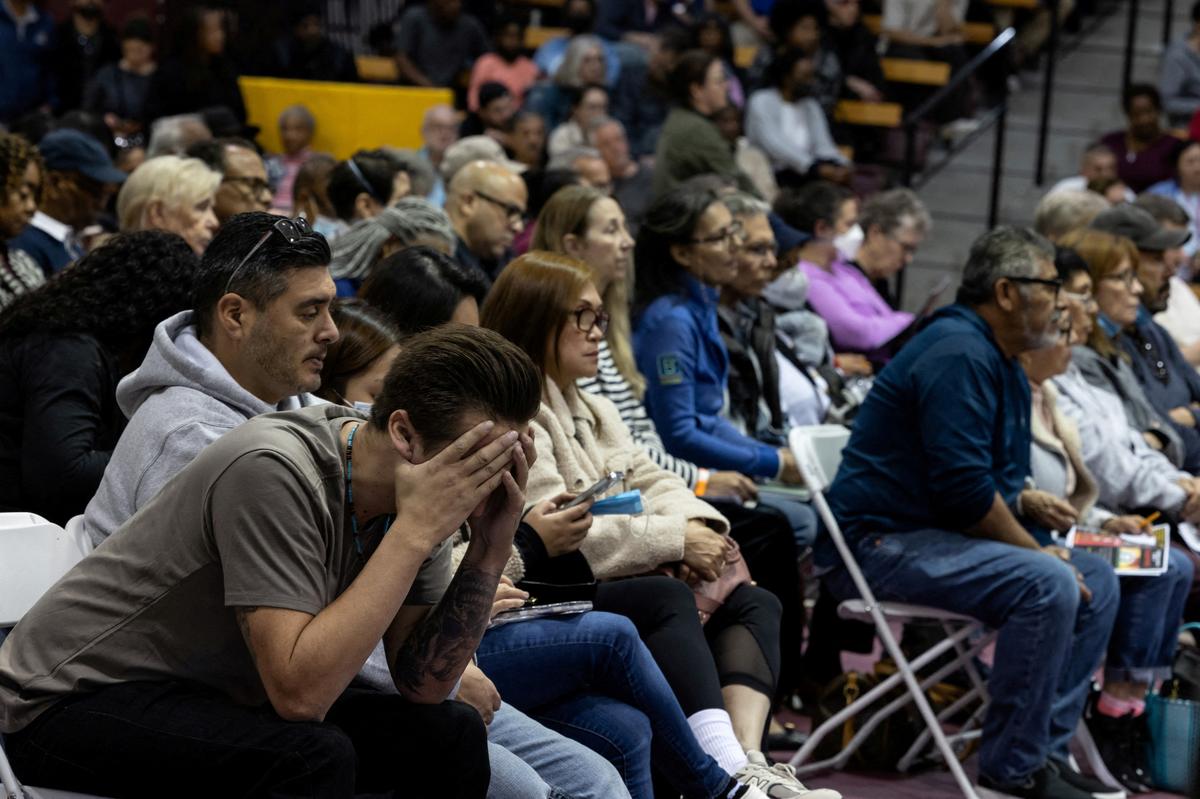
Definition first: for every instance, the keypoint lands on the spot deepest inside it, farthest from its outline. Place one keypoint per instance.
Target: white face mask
(365, 407)
(848, 243)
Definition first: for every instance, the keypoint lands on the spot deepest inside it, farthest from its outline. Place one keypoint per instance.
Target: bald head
(486, 203)
(439, 130)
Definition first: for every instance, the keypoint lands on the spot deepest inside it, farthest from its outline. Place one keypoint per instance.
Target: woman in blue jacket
(685, 252)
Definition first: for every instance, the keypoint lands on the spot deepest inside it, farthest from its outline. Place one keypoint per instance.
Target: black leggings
(738, 646)
(767, 544)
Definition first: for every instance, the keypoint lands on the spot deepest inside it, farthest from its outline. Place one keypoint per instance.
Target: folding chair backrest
(821, 446)
(34, 554)
(818, 453)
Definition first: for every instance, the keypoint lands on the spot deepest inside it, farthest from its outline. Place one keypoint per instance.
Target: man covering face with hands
(250, 592)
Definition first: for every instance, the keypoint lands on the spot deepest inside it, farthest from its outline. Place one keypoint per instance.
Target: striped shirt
(611, 384)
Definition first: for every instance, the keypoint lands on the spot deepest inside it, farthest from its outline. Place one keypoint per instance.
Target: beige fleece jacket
(579, 438)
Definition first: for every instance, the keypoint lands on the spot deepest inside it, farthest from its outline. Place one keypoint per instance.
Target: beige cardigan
(1083, 498)
(580, 437)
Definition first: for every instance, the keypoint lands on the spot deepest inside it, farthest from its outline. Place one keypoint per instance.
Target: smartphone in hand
(603, 484)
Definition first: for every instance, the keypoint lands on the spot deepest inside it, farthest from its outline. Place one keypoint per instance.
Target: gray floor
(1085, 105)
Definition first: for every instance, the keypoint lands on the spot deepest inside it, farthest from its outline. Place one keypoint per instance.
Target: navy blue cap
(71, 151)
(786, 237)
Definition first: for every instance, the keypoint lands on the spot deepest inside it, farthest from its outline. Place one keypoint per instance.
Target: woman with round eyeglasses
(724, 673)
(685, 252)
(1112, 263)
(586, 225)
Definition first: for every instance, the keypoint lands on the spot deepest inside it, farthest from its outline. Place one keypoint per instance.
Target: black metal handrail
(999, 114)
(961, 76)
(911, 120)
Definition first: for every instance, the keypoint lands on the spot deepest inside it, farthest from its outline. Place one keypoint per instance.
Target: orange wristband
(702, 482)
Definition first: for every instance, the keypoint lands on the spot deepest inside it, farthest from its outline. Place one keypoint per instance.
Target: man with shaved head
(486, 204)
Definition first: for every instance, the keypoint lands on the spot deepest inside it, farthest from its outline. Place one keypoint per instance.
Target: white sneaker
(777, 781)
(749, 792)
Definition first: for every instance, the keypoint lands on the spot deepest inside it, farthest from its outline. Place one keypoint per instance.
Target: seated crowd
(328, 426)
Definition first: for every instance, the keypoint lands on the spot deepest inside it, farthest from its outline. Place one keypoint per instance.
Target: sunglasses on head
(291, 230)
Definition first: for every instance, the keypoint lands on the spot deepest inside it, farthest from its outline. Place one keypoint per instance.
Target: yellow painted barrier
(350, 116)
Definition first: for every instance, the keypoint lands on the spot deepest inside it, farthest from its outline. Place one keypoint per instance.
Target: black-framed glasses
(513, 211)
(292, 230)
(907, 247)
(1048, 282)
(731, 233)
(587, 319)
(255, 185)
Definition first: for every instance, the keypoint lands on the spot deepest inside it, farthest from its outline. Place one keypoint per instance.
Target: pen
(1149, 520)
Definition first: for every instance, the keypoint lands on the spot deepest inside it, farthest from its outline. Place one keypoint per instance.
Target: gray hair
(420, 173)
(1060, 212)
(603, 121)
(410, 218)
(892, 211)
(1002, 252)
(173, 135)
(743, 204)
(301, 113)
(567, 158)
(567, 73)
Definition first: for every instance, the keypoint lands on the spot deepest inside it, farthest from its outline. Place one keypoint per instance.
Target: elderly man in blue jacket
(933, 498)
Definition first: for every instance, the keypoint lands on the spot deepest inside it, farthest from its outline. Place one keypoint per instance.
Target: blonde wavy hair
(175, 181)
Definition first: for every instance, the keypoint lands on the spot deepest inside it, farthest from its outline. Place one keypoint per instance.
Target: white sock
(714, 730)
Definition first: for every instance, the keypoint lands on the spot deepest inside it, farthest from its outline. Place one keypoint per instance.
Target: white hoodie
(180, 400)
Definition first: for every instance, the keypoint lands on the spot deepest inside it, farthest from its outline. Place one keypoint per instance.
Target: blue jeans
(591, 678)
(1049, 643)
(530, 762)
(800, 516)
(1142, 648)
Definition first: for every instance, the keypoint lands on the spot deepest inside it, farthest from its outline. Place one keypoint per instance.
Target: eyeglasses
(1086, 300)
(292, 230)
(759, 249)
(255, 185)
(1052, 283)
(909, 248)
(587, 319)
(1128, 277)
(513, 211)
(729, 234)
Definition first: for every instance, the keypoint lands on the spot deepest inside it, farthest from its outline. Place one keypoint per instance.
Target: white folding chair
(817, 454)
(35, 554)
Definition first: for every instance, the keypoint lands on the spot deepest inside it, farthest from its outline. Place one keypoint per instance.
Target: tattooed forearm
(434, 654)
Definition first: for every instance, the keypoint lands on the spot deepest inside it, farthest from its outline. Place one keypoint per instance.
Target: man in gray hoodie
(253, 343)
